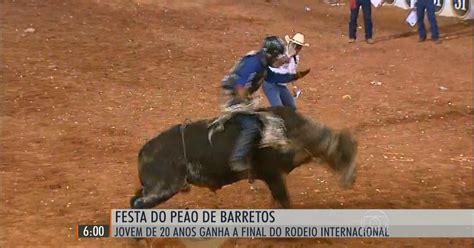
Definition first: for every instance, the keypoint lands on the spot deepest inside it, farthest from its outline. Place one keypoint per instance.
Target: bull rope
(182, 128)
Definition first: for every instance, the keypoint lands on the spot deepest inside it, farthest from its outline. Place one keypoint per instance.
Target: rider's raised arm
(279, 78)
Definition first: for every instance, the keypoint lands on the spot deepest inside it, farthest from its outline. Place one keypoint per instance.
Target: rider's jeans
(249, 130)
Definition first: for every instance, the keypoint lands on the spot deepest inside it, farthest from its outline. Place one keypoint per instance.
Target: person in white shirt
(275, 85)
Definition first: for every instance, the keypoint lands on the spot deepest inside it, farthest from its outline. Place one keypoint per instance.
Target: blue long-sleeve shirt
(249, 72)
(249, 68)
(277, 78)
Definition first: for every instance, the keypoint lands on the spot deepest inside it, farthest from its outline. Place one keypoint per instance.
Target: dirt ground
(86, 83)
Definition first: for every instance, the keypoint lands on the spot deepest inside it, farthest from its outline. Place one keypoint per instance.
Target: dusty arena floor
(86, 83)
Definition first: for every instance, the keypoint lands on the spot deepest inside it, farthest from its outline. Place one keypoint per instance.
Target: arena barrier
(453, 8)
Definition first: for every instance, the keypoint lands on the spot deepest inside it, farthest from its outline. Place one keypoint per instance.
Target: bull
(184, 155)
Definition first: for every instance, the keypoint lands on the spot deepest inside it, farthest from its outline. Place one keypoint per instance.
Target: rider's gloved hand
(301, 74)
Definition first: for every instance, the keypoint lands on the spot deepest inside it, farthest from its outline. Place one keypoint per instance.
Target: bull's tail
(338, 149)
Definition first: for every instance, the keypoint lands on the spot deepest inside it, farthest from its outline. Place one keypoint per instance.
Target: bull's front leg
(276, 183)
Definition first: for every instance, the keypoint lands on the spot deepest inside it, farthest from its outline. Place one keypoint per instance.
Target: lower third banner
(212, 223)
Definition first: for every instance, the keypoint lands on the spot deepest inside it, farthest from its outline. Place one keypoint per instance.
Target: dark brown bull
(165, 167)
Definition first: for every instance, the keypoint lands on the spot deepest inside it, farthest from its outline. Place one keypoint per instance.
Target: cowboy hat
(298, 38)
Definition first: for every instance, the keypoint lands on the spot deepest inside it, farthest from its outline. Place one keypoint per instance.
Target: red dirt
(96, 79)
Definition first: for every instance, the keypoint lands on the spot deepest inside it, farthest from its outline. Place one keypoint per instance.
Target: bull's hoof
(132, 201)
(138, 203)
(186, 188)
(349, 177)
(281, 205)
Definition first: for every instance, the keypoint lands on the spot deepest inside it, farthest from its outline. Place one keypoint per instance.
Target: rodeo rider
(243, 80)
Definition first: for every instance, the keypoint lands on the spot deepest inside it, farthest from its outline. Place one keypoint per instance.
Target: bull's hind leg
(160, 181)
(138, 194)
(277, 186)
(156, 195)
